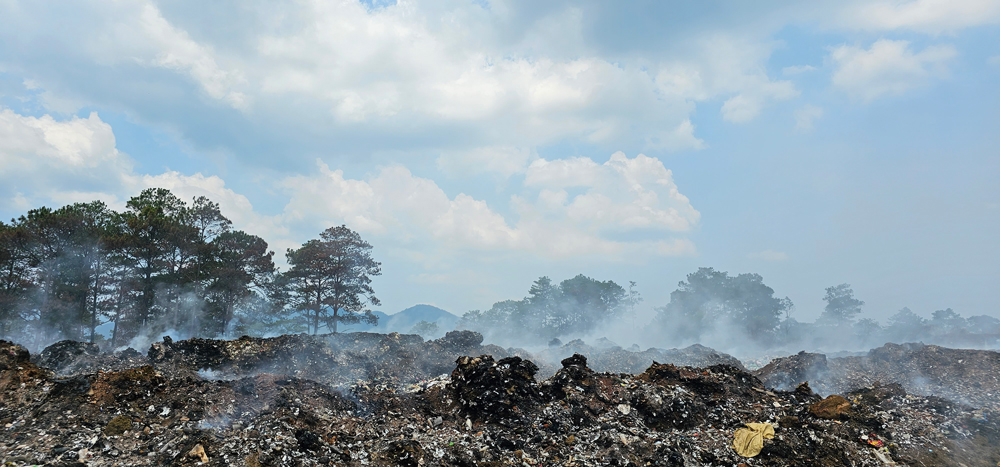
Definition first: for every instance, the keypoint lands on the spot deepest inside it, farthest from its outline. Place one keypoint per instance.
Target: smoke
(180, 313)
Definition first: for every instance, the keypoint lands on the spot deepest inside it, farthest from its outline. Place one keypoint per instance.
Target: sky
(479, 145)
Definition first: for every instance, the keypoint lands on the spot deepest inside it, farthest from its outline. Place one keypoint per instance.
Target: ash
(379, 400)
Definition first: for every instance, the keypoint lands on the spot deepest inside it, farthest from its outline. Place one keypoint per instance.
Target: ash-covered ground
(373, 399)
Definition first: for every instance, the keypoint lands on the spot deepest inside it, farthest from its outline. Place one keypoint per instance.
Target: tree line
(163, 264)
(575, 306)
(166, 264)
(717, 309)
(714, 307)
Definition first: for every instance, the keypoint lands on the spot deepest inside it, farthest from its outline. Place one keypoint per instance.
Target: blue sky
(480, 145)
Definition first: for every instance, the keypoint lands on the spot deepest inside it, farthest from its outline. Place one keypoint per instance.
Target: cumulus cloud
(887, 68)
(726, 65)
(620, 194)
(502, 160)
(46, 160)
(806, 116)
(396, 205)
(623, 194)
(409, 76)
(174, 49)
(931, 16)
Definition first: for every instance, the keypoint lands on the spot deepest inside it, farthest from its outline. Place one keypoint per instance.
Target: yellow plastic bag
(750, 440)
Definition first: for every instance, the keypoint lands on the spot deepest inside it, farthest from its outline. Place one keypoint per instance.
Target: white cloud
(740, 109)
(797, 70)
(176, 50)
(502, 160)
(563, 173)
(397, 205)
(623, 194)
(680, 138)
(725, 65)
(887, 68)
(994, 60)
(769, 255)
(68, 161)
(931, 16)
(745, 107)
(390, 78)
(806, 116)
(45, 161)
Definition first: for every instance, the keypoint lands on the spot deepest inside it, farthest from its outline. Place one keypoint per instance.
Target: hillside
(404, 320)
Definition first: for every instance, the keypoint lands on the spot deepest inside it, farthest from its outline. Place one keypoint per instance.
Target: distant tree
(583, 304)
(755, 308)
(153, 241)
(68, 250)
(270, 312)
(947, 320)
(632, 299)
(241, 266)
(208, 224)
(334, 273)
(576, 306)
(841, 306)
(425, 329)
(16, 275)
(906, 325)
(709, 297)
(866, 329)
(489, 322)
(697, 304)
(983, 324)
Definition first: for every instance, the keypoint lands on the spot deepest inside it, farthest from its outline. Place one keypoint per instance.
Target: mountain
(405, 320)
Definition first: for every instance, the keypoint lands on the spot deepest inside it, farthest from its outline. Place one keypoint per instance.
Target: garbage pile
(275, 405)
(612, 358)
(971, 377)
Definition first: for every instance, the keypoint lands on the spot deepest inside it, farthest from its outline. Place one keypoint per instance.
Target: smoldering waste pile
(369, 399)
(968, 376)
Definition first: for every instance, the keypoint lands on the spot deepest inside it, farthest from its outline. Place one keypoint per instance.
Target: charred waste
(392, 399)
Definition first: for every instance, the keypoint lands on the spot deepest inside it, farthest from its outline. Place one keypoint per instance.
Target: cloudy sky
(480, 144)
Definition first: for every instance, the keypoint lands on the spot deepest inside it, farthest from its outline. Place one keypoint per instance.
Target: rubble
(968, 376)
(274, 404)
(605, 356)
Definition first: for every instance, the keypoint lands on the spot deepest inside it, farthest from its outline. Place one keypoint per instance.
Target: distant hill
(404, 320)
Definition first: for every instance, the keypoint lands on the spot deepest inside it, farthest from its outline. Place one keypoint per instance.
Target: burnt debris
(380, 400)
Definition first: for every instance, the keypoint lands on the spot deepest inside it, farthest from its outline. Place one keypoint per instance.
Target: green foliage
(330, 279)
(241, 267)
(576, 305)
(709, 298)
(906, 324)
(160, 264)
(841, 306)
(425, 329)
